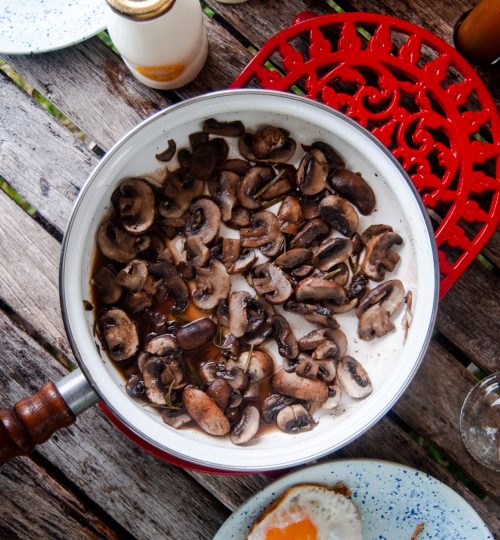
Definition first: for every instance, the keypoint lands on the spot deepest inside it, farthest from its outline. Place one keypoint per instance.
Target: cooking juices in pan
(198, 264)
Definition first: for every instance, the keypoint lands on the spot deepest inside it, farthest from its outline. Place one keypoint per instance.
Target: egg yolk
(300, 530)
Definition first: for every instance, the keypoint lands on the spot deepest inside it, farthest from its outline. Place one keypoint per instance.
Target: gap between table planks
(155, 94)
(73, 454)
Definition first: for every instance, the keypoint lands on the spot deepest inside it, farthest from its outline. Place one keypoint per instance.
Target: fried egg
(309, 512)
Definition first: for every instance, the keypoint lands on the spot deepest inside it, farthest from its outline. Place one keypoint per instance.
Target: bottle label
(161, 73)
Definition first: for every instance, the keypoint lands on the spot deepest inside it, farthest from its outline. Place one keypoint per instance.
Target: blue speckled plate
(392, 498)
(35, 26)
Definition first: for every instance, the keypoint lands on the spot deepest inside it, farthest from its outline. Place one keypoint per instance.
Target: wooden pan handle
(32, 421)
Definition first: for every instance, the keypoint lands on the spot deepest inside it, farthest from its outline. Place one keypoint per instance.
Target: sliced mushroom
(224, 129)
(379, 256)
(310, 205)
(204, 159)
(239, 218)
(160, 345)
(120, 334)
(173, 282)
(272, 144)
(196, 251)
(136, 205)
(312, 172)
(208, 372)
(340, 274)
(252, 393)
(257, 337)
(313, 288)
(238, 166)
(272, 405)
(293, 258)
(230, 251)
(222, 313)
(245, 261)
(302, 272)
(353, 378)
(338, 337)
(135, 387)
(287, 343)
(290, 215)
(107, 286)
(264, 228)
(168, 153)
(230, 347)
(176, 246)
(246, 313)
(310, 234)
(340, 214)
(272, 283)
(295, 419)
(247, 427)
(376, 308)
(354, 188)
(159, 374)
(316, 340)
(334, 160)
(204, 221)
(374, 230)
(223, 187)
(347, 306)
(259, 365)
(195, 334)
(274, 247)
(255, 179)
(133, 276)
(179, 192)
(176, 418)
(138, 301)
(324, 351)
(205, 412)
(331, 252)
(118, 245)
(334, 397)
(212, 285)
(306, 367)
(236, 377)
(290, 384)
(197, 138)
(220, 390)
(313, 313)
(326, 370)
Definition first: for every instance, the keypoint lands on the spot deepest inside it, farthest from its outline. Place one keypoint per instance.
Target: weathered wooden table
(89, 480)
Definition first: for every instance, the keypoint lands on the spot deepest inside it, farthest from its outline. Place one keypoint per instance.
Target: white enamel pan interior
(390, 361)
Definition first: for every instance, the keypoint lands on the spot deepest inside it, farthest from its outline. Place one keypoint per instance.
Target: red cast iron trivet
(419, 97)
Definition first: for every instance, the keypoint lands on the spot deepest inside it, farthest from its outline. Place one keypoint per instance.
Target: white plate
(36, 26)
(389, 361)
(393, 500)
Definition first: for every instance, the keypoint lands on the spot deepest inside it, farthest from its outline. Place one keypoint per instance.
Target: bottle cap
(141, 9)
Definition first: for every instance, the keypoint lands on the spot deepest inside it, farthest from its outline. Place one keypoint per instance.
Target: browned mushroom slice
(357, 244)
(203, 160)
(340, 214)
(107, 286)
(220, 391)
(223, 187)
(313, 288)
(290, 215)
(135, 387)
(334, 396)
(136, 205)
(197, 138)
(287, 344)
(374, 230)
(353, 378)
(379, 256)
(376, 308)
(302, 271)
(258, 365)
(334, 160)
(230, 347)
(295, 419)
(306, 367)
(173, 282)
(264, 228)
(272, 283)
(120, 334)
(168, 153)
(238, 302)
(160, 345)
(205, 412)
(254, 180)
(204, 221)
(272, 405)
(274, 247)
(358, 286)
(118, 245)
(313, 313)
(238, 166)
(247, 426)
(310, 205)
(354, 188)
(258, 336)
(347, 306)
(179, 192)
(133, 276)
(177, 249)
(290, 384)
(310, 234)
(176, 418)
(244, 262)
(236, 377)
(293, 258)
(270, 144)
(195, 334)
(239, 218)
(138, 301)
(212, 285)
(312, 173)
(224, 129)
(153, 369)
(230, 251)
(331, 252)
(324, 351)
(338, 273)
(196, 251)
